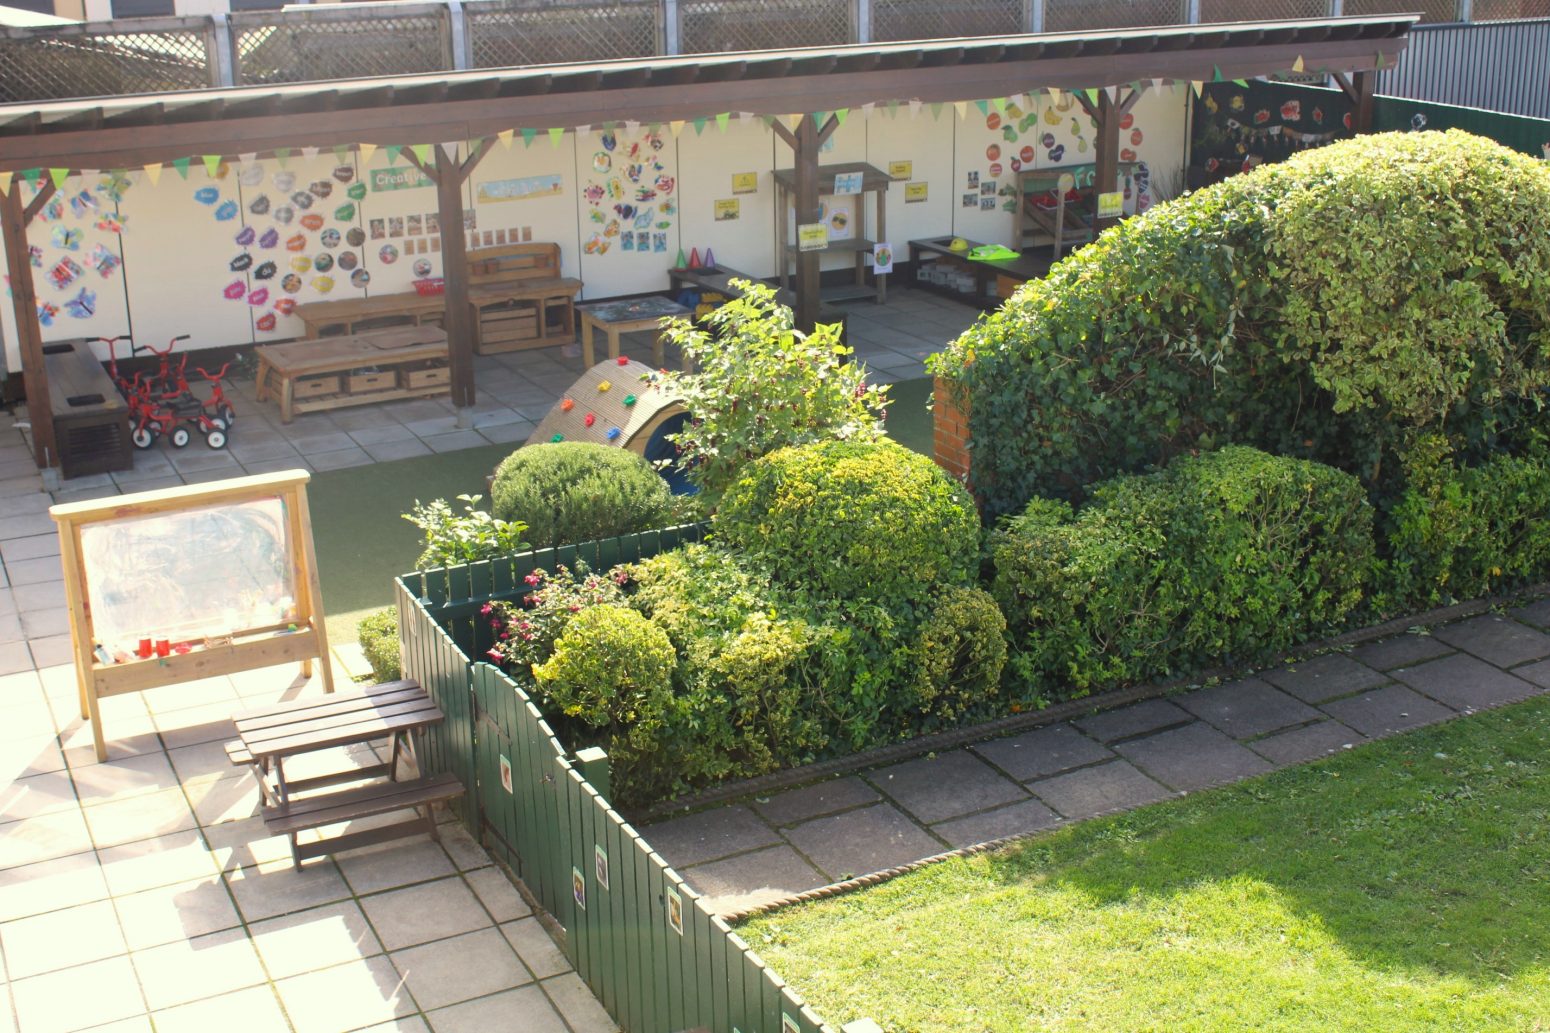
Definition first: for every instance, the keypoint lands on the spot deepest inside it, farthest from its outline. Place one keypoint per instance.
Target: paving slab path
(765, 848)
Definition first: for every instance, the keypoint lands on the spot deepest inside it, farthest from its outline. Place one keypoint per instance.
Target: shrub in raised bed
(573, 491)
(958, 655)
(853, 521)
(1330, 306)
(1225, 556)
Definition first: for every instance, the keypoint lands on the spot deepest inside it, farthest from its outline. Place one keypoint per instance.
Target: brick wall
(951, 449)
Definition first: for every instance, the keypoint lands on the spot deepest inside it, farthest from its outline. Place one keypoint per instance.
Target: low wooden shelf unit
(335, 372)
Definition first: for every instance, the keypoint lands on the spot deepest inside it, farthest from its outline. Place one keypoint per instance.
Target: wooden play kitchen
(516, 292)
(192, 582)
(393, 710)
(335, 372)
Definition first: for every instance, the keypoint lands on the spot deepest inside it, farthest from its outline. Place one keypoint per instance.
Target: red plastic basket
(433, 286)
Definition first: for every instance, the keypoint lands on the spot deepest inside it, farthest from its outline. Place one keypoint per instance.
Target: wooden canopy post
(1107, 114)
(14, 219)
(449, 175)
(1358, 88)
(805, 142)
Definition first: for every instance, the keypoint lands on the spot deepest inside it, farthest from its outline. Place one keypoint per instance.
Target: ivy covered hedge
(1335, 306)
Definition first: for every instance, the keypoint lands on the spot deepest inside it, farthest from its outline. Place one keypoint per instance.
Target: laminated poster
(729, 210)
(813, 236)
(914, 193)
(745, 182)
(901, 169)
(847, 183)
(882, 259)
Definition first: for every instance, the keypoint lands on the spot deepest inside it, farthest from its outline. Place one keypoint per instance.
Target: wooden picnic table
(334, 372)
(392, 710)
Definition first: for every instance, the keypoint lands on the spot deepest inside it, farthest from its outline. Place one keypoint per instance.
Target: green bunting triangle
(1241, 82)
(33, 177)
(893, 109)
(181, 164)
(840, 115)
(999, 103)
(983, 105)
(936, 110)
(421, 151)
(527, 137)
(820, 118)
(212, 163)
(1216, 73)
(1382, 64)
(699, 125)
(392, 151)
(556, 135)
(58, 176)
(1092, 95)
(722, 120)
(283, 155)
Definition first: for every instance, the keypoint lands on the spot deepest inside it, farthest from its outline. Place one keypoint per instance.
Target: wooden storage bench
(334, 372)
(91, 419)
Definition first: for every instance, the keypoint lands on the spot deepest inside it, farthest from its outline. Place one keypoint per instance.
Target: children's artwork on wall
(629, 192)
(103, 260)
(83, 305)
(64, 273)
(1234, 128)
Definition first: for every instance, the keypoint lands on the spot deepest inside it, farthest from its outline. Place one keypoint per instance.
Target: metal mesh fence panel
(276, 47)
(931, 19)
(1080, 15)
(708, 26)
(1430, 10)
(503, 35)
(1261, 10)
(55, 64)
(1508, 10)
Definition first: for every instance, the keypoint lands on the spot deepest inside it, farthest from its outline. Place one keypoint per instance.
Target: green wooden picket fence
(642, 939)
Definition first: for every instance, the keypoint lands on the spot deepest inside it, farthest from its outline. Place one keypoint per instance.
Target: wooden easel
(300, 637)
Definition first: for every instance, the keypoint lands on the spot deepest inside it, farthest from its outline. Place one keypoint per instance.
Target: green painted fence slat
(645, 920)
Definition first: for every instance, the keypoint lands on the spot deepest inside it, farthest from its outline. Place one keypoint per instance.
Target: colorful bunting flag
(181, 164)
(936, 110)
(505, 137)
(528, 136)
(556, 134)
(676, 127)
(366, 150)
(1297, 65)
(5, 182)
(840, 115)
(699, 125)
(153, 172)
(212, 163)
(392, 151)
(421, 151)
(722, 120)
(309, 152)
(282, 155)
(58, 176)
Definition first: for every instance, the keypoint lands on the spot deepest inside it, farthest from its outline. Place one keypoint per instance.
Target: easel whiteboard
(222, 577)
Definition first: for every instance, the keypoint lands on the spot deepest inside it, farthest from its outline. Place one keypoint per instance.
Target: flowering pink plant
(525, 632)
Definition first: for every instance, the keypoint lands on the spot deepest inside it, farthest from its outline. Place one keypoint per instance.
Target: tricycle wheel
(216, 438)
(142, 437)
(228, 414)
(180, 437)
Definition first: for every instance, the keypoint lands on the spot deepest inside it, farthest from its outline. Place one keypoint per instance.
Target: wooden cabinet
(863, 231)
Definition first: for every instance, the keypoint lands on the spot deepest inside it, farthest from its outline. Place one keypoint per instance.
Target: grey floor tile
(1400, 651)
(1192, 757)
(750, 879)
(1096, 790)
(947, 785)
(708, 835)
(1013, 820)
(813, 801)
(1393, 708)
(1465, 683)
(1248, 708)
(1136, 719)
(390, 450)
(1306, 743)
(860, 842)
(344, 457)
(1326, 677)
(1536, 613)
(1496, 639)
(1043, 752)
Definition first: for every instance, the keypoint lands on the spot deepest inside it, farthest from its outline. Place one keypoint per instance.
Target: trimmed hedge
(854, 521)
(574, 491)
(1332, 306)
(378, 636)
(1224, 557)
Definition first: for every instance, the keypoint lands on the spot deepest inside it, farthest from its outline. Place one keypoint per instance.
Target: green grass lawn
(1401, 886)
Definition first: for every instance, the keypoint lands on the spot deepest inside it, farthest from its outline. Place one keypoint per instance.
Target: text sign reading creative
(397, 179)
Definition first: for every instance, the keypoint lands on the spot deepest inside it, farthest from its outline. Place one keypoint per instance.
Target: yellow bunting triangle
(212, 162)
(153, 172)
(1196, 85)
(676, 126)
(962, 107)
(5, 182)
(505, 136)
(556, 134)
(1297, 65)
(795, 120)
(366, 151)
(58, 176)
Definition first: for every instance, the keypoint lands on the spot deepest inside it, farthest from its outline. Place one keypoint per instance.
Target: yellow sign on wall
(813, 236)
(1111, 205)
(915, 192)
(745, 182)
(901, 169)
(728, 209)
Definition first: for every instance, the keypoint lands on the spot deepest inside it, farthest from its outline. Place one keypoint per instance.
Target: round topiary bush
(572, 491)
(960, 650)
(1332, 306)
(853, 520)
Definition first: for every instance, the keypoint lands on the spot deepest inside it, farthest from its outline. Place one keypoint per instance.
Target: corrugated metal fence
(1499, 66)
(643, 940)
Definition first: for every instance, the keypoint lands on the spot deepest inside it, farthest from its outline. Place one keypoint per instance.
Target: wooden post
(1362, 84)
(459, 321)
(14, 217)
(807, 281)
(1106, 160)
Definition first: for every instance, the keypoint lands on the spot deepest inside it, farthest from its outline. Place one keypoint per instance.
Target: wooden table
(1009, 273)
(393, 710)
(619, 317)
(313, 375)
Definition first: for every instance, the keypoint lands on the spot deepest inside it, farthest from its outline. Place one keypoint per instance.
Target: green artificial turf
(1404, 885)
(363, 542)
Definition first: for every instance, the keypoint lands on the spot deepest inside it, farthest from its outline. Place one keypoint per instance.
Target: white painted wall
(177, 255)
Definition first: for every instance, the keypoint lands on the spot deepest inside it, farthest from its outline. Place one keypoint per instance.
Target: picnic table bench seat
(314, 812)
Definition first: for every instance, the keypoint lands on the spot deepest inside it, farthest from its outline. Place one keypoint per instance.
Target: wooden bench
(334, 372)
(314, 812)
